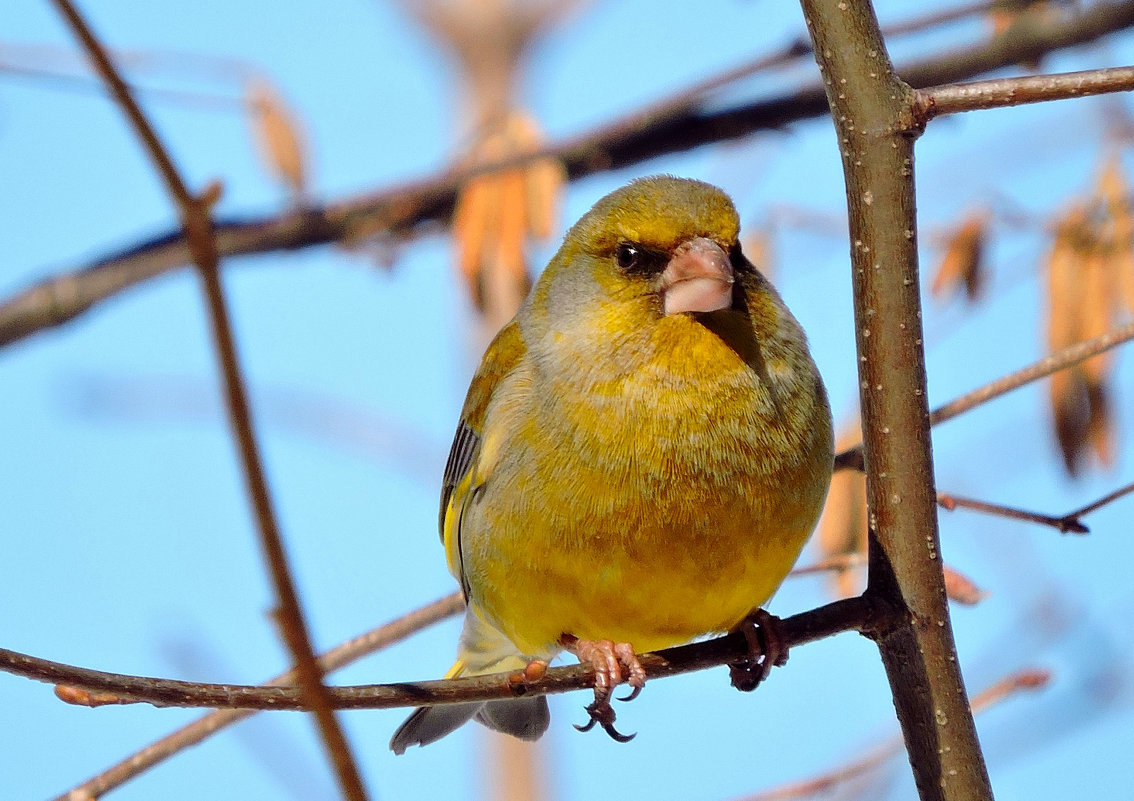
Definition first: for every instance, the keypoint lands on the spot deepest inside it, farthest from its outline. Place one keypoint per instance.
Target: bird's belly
(654, 552)
(649, 602)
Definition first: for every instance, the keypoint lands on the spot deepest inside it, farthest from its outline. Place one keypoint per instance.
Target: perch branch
(852, 614)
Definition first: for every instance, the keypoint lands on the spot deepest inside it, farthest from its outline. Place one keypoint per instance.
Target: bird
(641, 456)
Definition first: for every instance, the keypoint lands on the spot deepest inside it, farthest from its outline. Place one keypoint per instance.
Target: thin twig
(1070, 523)
(204, 101)
(851, 614)
(1066, 525)
(1061, 359)
(839, 563)
(197, 225)
(1103, 501)
(851, 458)
(1004, 92)
(199, 730)
(414, 207)
(879, 755)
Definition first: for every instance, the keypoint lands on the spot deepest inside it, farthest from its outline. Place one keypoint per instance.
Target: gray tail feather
(428, 724)
(526, 718)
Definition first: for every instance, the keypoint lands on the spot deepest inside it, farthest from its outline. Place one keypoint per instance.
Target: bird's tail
(483, 649)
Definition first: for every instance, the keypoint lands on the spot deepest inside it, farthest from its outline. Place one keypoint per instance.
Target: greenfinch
(642, 454)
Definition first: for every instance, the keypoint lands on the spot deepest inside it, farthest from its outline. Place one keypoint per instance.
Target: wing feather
(461, 473)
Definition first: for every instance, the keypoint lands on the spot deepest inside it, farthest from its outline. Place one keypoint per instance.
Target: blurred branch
(207, 101)
(851, 458)
(832, 564)
(196, 222)
(851, 614)
(403, 210)
(1001, 691)
(1003, 92)
(210, 724)
(1069, 523)
(935, 18)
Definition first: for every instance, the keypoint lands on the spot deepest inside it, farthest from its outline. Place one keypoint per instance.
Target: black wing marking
(465, 443)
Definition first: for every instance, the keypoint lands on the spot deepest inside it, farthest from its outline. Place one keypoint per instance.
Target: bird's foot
(613, 663)
(767, 648)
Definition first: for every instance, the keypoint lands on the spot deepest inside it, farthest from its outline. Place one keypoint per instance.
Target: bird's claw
(603, 714)
(767, 648)
(613, 663)
(634, 693)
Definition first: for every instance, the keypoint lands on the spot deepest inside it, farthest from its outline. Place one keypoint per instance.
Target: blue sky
(127, 541)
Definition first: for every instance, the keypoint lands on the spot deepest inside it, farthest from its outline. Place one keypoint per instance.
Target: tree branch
(1070, 523)
(337, 657)
(851, 614)
(196, 222)
(871, 108)
(1003, 92)
(1066, 525)
(1060, 360)
(406, 209)
(851, 458)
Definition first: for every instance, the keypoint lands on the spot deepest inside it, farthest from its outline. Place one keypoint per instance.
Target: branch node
(923, 108)
(1072, 525)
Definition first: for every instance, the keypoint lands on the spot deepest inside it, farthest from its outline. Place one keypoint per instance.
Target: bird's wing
(457, 487)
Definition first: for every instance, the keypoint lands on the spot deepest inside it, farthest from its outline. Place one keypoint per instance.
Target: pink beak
(698, 278)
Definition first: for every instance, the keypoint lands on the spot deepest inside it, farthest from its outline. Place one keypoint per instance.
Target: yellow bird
(641, 457)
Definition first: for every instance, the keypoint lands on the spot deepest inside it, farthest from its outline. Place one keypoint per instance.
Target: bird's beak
(698, 278)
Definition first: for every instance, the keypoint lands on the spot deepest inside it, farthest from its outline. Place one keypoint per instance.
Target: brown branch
(851, 458)
(1070, 523)
(870, 107)
(336, 658)
(1061, 359)
(197, 225)
(406, 209)
(197, 731)
(839, 563)
(1066, 525)
(1103, 501)
(851, 614)
(1004, 92)
(125, 100)
(1004, 689)
(81, 83)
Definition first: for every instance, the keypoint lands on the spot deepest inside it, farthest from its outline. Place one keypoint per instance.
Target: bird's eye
(627, 256)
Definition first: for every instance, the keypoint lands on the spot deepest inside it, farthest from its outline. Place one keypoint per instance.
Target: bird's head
(671, 241)
(663, 242)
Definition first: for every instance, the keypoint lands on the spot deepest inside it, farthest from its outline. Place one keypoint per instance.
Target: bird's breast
(640, 497)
